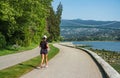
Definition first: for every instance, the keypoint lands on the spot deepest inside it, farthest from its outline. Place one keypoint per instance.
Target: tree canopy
(23, 21)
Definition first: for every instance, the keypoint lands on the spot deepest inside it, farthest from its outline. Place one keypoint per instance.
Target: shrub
(2, 41)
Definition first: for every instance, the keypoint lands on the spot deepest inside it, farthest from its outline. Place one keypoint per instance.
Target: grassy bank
(22, 68)
(16, 49)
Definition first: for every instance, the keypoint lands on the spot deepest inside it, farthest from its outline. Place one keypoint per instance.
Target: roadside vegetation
(16, 49)
(25, 67)
(113, 58)
(25, 22)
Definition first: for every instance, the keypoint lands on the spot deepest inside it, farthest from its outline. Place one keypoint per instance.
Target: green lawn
(13, 49)
(25, 67)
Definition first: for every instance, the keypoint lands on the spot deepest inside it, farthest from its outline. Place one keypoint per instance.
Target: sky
(102, 10)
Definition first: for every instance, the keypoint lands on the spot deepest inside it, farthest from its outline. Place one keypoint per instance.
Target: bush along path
(16, 49)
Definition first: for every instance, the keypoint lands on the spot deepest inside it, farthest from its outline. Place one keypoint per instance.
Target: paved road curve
(13, 59)
(69, 63)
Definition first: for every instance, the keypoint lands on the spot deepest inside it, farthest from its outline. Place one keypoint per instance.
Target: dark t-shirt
(43, 44)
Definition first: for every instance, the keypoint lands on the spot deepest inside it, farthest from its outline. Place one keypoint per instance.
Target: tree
(23, 21)
(58, 19)
(53, 23)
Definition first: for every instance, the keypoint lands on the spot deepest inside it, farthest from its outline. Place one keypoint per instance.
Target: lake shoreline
(110, 57)
(101, 45)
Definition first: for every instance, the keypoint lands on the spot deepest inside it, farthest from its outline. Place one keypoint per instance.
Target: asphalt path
(13, 59)
(68, 63)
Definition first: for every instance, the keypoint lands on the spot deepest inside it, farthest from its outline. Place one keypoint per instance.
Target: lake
(106, 45)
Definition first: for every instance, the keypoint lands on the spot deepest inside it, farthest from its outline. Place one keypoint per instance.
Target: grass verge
(25, 67)
(16, 49)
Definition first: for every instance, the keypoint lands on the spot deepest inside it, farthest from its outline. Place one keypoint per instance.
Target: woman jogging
(44, 52)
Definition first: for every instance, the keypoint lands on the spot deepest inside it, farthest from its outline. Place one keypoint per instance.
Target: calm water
(107, 45)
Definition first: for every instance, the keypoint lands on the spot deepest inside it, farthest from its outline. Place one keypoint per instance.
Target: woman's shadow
(29, 65)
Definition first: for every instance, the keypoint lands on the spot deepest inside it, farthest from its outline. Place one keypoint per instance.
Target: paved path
(69, 63)
(13, 59)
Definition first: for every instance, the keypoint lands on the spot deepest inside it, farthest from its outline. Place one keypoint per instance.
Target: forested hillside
(23, 22)
(90, 30)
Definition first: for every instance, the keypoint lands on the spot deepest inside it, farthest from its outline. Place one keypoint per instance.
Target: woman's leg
(42, 60)
(46, 59)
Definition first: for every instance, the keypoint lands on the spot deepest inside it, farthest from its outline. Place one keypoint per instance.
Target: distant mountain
(91, 23)
(90, 30)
